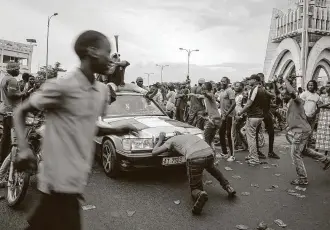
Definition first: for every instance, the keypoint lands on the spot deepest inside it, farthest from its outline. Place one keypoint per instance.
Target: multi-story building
(18, 52)
(299, 41)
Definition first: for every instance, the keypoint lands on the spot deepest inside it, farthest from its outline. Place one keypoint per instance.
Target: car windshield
(133, 105)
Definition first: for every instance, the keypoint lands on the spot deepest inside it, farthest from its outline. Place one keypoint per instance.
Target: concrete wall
(16, 50)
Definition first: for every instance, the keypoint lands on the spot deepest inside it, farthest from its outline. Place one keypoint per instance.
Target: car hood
(150, 127)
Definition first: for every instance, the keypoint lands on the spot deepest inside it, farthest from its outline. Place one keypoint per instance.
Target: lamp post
(161, 71)
(55, 14)
(148, 77)
(189, 51)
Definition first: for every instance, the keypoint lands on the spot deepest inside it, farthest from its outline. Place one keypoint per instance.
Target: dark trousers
(196, 118)
(6, 138)
(269, 125)
(238, 138)
(179, 114)
(225, 130)
(56, 211)
(211, 127)
(195, 168)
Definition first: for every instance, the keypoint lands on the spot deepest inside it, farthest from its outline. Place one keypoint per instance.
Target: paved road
(151, 194)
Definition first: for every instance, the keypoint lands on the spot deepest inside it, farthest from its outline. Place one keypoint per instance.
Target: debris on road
(216, 163)
(237, 177)
(255, 185)
(266, 167)
(264, 163)
(130, 213)
(275, 165)
(245, 193)
(239, 162)
(277, 174)
(177, 202)
(262, 226)
(280, 223)
(300, 196)
(208, 182)
(88, 207)
(242, 227)
(275, 186)
(228, 169)
(300, 188)
(293, 194)
(269, 190)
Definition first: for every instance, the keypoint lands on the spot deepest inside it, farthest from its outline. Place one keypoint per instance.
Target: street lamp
(189, 51)
(148, 77)
(161, 71)
(55, 14)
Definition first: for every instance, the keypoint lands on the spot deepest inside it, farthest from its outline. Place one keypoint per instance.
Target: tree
(52, 71)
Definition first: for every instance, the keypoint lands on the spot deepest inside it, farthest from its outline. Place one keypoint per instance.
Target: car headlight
(138, 144)
(201, 136)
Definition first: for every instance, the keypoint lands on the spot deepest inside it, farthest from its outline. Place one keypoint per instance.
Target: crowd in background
(179, 100)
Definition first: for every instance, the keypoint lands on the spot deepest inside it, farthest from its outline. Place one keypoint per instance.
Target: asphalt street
(160, 199)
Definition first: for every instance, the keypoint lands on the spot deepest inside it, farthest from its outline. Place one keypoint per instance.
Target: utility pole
(55, 14)
(148, 78)
(161, 71)
(189, 51)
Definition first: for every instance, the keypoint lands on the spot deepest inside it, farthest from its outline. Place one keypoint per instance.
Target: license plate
(173, 160)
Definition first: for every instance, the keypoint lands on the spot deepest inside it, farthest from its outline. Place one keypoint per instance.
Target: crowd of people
(73, 103)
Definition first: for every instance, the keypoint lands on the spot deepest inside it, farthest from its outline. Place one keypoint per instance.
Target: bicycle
(18, 182)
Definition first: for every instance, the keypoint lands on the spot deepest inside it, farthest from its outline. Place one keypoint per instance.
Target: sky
(231, 35)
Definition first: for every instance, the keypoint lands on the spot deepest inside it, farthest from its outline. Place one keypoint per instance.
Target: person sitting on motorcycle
(11, 97)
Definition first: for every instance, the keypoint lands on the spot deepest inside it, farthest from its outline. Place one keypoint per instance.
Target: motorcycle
(18, 182)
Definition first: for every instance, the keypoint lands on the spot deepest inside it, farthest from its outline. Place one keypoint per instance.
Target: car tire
(109, 160)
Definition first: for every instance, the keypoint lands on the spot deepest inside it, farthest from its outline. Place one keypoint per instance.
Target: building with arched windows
(299, 41)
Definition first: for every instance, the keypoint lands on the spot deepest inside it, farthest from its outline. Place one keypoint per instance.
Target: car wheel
(109, 161)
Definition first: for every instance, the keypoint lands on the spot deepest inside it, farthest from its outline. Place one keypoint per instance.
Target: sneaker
(247, 158)
(299, 182)
(231, 191)
(253, 162)
(326, 164)
(273, 155)
(200, 202)
(261, 155)
(231, 159)
(224, 155)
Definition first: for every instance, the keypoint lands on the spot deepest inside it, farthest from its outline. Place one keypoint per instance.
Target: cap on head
(139, 79)
(201, 81)
(254, 77)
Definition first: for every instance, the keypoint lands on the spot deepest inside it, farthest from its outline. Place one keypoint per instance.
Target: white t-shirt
(311, 100)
